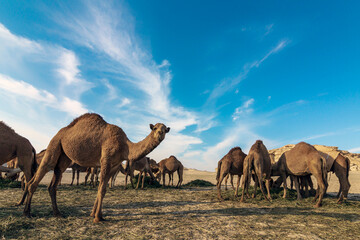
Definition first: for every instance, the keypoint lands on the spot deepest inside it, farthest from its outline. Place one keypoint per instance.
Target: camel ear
(167, 130)
(151, 127)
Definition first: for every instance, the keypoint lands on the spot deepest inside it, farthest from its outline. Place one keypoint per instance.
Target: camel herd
(90, 144)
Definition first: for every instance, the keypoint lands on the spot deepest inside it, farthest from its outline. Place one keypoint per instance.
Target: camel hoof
(18, 204)
(27, 214)
(98, 219)
(242, 200)
(317, 205)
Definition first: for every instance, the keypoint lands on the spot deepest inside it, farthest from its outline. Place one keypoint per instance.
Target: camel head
(159, 131)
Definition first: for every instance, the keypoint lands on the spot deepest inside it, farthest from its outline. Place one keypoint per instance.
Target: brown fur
(258, 160)
(76, 168)
(302, 160)
(91, 142)
(170, 165)
(341, 168)
(94, 176)
(232, 163)
(12, 145)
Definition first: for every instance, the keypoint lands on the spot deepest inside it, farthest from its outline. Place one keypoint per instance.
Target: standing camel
(143, 166)
(302, 160)
(13, 145)
(94, 176)
(170, 165)
(258, 160)
(92, 142)
(231, 164)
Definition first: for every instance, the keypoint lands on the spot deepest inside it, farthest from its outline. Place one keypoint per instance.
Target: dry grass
(187, 213)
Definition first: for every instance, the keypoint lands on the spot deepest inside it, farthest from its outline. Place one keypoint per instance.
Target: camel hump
(237, 148)
(91, 117)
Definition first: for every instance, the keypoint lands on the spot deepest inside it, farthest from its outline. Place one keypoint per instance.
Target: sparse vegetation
(199, 183)
(171, 213)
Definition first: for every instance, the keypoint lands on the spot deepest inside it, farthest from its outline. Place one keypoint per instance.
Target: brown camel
(13, 145)
(258, 160)
(91, 142)
(13, 164)
(232, 163)
(170, 165)
(302, 160)
(340, 165)
(113, 177)
(143, 166)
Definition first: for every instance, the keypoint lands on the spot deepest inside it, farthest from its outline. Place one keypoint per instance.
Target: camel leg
(48, 162)
(77, 177)
(223, 174)
(163, 175)
(139, 179)
(321, 188)
(73, 177)
(63, 163)
(180, 175)
(255, 186)
(126, 177)
(169, 179)
(296, 180)
(344, 186)
(237, 185)
(283, 176)
(143, 180)
(245, 181)
(225, 180)
(113, 178)
(87, 176)
(268, 189)
(27, 175)
(306, 183)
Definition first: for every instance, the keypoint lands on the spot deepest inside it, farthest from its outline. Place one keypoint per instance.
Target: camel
(340, 165)
(13, 145)
(170, 165)
(91, 142)
(143, 166)
(302, 160)
(231, 164)
(259, 161)
(76, 168)
(10, 171)
(12, 164)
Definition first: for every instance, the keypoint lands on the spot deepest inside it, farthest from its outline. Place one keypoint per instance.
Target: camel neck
(141, 149)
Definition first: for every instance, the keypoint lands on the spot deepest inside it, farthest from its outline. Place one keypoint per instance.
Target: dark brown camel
(143, 166)
(258, 160)
(232, 163)
(91, 142)
(302, 160)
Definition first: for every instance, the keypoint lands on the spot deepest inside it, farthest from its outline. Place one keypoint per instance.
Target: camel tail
(218, 171)
(34, 165)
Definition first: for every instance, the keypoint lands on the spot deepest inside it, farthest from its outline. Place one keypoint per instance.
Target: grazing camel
(143, 166)
(258, 160)
(302, 160)
(340, 165)
(232, 163)
(76, 168)
(92, 142)
(9, 171)
(170, 165)
(13, 145)
(13, 164)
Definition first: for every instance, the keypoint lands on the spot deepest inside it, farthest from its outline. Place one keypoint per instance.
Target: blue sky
(219, 74)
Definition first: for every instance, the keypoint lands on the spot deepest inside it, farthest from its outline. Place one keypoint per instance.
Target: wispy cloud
(243, 109)
(268, 29)
(228, 84)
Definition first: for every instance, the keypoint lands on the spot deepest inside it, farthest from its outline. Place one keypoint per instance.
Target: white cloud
(356, 150)
(243, 109)
(124, 102)
(24, 89)
(269, 29)
(72, 107)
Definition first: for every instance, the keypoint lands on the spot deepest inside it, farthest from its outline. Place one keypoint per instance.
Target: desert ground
(186, 213)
